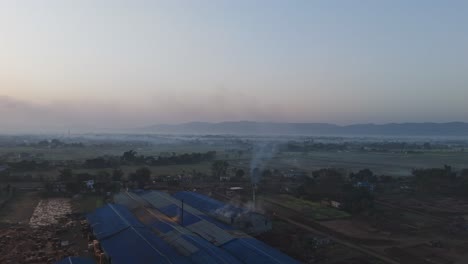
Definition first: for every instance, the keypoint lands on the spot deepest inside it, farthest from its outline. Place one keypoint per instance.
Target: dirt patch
(20, 208)
(42, 244)
(49, 211)
(41, 231)
(358, 229)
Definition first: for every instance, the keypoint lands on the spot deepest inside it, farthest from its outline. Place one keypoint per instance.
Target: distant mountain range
(263, 128)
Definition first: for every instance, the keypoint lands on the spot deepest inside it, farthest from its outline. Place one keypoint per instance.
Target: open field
(88, 152)
(395, 164)
(309, 209)
(309, 246)
(20, 208)
(204, 167)
(87, 203)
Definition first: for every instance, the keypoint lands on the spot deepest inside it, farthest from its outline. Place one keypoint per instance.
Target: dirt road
(341, 241)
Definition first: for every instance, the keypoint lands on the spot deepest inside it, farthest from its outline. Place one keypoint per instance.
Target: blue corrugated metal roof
(174, 211)
(126, 240)
(207, 204)
(246, 250)
(216, 222)
(111, 219)
(203, 228)
(76, 260)
(197, 249)
(251, 250)
(139, 246)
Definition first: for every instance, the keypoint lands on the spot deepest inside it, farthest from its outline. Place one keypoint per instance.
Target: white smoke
(262, 153)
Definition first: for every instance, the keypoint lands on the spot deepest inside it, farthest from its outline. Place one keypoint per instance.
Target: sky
(110, 64)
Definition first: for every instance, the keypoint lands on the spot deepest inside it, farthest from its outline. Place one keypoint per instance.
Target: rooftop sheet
(126, 240)
(111, 219)
(207, 204)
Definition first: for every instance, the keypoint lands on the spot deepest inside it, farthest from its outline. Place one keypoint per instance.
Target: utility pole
(182, 214)
(254, 186)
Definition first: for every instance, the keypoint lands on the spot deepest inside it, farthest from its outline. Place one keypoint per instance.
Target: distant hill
(262, 128)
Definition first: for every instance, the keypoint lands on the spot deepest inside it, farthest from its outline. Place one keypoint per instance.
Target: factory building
(159, 228)
(249, 221)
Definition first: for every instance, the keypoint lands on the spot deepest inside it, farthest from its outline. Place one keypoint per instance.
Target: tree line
(131, 157)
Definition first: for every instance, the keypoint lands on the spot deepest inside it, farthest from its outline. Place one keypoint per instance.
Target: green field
(87, 203)
(309, 209)
(388, 163)
(75, 153)
(394, 164)
(204, 167)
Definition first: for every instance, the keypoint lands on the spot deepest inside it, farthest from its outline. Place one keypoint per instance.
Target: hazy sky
(94, 64)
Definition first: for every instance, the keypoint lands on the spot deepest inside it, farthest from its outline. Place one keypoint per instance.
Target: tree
(81, 177)
(66, 174)
(364, 175)
(103, 176)
(97, 163)
(73, 187)
(463, 182)
(358, 200)
(219, 168)
(129, 156)
(328, 181)
(240, 174)
(434, 179)
(117, 175)
(141, 176)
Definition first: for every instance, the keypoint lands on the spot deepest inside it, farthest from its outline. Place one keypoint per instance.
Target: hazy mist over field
(234, 131)
(90, 66)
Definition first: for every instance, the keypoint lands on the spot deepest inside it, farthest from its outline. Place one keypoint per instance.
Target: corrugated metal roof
(241, 247)
(184, 241)
(210, 232)
(192, 220)
(158, 199)
(111, 219)
(245, 248)
(125, 240)
(123, 199)
(207, 204)
(191, 215)
(250, 222)
(217, 223)
(139, 246)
